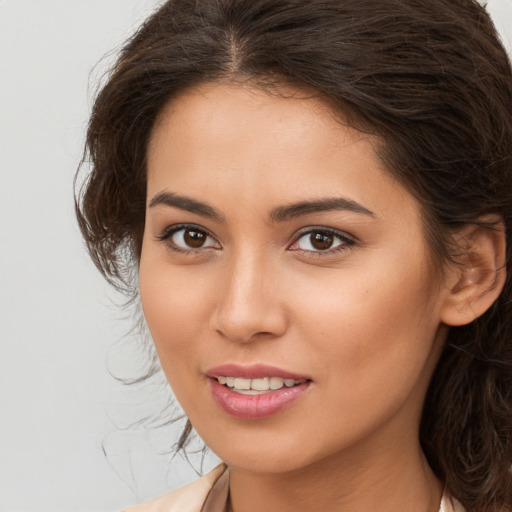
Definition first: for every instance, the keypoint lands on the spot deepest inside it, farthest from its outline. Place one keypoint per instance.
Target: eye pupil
(194, 238)
(321, 241)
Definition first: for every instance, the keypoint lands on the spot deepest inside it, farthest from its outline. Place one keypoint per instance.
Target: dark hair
(430, 78)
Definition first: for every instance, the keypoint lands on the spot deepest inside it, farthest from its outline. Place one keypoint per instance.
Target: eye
(189, 238)
(321, 240)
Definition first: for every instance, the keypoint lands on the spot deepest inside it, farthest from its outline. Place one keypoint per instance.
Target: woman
(316, 198)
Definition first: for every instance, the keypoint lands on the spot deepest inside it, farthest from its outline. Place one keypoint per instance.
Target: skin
(363, 319)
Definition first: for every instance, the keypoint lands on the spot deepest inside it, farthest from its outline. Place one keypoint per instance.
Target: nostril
(249, 326)
(248, 309)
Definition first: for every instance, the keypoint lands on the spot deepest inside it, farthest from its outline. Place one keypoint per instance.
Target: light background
(59, 325)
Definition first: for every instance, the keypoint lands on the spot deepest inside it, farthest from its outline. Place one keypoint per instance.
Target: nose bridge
(248, 302)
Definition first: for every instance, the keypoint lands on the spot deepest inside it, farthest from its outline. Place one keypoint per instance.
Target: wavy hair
(430, 78)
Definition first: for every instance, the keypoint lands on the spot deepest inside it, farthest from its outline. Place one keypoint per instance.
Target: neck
(396, 478)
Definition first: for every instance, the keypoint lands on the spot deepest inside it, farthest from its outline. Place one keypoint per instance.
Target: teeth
(242, 384)
(260, 384)
(256, 386)
(248, 391)
(276, 383)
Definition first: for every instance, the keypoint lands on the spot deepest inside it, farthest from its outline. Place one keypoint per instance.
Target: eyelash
(167, 235)
(346, 242)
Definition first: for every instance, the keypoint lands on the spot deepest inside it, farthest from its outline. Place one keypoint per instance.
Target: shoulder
(186, 499)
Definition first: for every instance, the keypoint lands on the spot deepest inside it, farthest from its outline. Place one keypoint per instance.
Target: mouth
(257, 386)
(256, 391)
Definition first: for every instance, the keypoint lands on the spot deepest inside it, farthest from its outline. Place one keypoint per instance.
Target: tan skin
(344, 294)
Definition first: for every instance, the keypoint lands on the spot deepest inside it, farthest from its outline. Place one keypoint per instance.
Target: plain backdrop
(66, 439)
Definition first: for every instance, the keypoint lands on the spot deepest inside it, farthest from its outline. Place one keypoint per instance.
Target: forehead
(232, 135)
(242, 113)
(247, 154)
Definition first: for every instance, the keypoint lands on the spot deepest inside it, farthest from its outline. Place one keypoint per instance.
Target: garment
(450, 504)
(210, 494)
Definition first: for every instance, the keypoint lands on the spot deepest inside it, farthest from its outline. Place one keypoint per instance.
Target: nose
(249, 304)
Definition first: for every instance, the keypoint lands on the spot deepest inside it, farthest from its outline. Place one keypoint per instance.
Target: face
(284, 277)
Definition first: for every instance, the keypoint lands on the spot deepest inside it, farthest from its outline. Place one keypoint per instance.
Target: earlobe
(475, 280)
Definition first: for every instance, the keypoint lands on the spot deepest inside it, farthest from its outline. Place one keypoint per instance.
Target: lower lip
(253, 407)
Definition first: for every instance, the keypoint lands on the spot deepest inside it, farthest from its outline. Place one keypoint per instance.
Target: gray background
(59, 325)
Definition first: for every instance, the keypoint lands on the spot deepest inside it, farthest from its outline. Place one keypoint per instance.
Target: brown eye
(194, 239)
(189, 238)
(321, 241)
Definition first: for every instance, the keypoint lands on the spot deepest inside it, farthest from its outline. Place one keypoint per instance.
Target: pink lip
(254, 407)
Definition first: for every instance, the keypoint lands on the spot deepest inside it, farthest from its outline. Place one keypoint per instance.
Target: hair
(430, 78)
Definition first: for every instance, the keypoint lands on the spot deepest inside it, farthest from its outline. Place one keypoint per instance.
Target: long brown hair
(430, 78)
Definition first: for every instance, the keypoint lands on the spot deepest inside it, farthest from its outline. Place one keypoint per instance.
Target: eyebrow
(280, 214)
(187, 204)
(284, 213)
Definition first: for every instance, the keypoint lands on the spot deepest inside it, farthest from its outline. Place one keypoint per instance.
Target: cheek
(175, 304)
(369, 327)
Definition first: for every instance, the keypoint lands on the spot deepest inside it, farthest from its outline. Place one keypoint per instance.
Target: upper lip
(253, 371)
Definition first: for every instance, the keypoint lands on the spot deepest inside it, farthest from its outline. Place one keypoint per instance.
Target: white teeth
(276, 383)
(260, 384)
(242, 384)
(248, 391)
(256, 386)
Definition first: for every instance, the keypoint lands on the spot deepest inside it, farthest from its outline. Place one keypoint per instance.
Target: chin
(267, 463)
(263, 452)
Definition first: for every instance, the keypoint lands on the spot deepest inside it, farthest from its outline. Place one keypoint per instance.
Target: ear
(476, 279)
